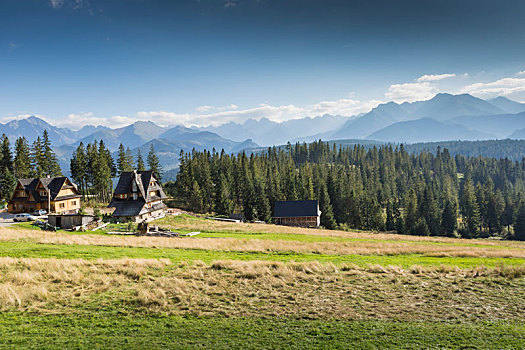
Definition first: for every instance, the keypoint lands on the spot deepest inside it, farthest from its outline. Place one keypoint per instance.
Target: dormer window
(43, 193)
(122, 196)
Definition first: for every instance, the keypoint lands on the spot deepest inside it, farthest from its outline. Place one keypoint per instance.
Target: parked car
(24, 217)
(40, 212)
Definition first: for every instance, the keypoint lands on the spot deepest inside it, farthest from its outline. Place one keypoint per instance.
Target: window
(61, 205)
(152, 193)
(74, 203)
(122, 196)
(43, 193)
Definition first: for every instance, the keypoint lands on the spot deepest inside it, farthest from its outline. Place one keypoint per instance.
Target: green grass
(110, 331)
(37, 250)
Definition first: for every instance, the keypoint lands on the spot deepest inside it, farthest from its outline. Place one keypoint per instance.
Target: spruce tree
(22, 161)
(6, 158)
(448, 219)
(37, 158)
(49, 163)
(7, 183)
(470, 209)
(327, 214)
(154, 164)
(140, 162)
(123, 163)
(519, 223)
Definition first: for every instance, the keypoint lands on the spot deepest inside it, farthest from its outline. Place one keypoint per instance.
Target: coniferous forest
(383, 188)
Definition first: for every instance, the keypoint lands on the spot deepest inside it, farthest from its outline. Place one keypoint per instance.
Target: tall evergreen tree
(22, 161)
(448, 219)
(327, 214)
(140, 162)
(154, 164)
(49, 162)
(6, 157)
(470, 209)
(519, 223)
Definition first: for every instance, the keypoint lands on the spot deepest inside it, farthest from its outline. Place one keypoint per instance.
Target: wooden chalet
(137, 197)
(53, 194)
(297, 213)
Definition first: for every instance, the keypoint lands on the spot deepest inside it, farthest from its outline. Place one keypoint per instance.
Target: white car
(24, 217)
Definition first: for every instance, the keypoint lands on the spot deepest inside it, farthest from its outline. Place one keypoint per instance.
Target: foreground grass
(22, 249)
(153, 332)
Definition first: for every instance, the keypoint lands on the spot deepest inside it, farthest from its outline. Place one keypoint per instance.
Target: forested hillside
(511, 149)
(381, 188)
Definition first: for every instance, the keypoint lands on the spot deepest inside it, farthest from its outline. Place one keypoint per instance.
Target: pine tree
(154, 164)
(123, 163)
(37, 158)
(519, 223)
(390, 223)
(470, 209)
(6, 158)
(140, 162)
(327, 214)
(7, 183)
(49, 162)
(448, 219)
(79, 168)
(22, 161)
(195, 200)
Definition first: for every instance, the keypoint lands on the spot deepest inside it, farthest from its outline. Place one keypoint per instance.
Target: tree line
(379, 188)
(28, 161)
(93, 168)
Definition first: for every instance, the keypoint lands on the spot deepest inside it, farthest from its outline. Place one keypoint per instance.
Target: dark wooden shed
(297, 213)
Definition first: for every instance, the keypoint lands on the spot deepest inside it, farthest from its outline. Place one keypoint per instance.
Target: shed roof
(285, 209)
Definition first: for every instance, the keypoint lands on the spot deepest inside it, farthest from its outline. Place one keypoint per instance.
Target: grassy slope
(37, 250)
(115, 331)
(123, 325)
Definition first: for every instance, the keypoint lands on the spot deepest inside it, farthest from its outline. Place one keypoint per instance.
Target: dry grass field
(274, 285)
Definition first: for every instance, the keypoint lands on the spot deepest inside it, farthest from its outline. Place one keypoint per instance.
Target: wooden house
(137, 197)
(297, 213)
(53, 194)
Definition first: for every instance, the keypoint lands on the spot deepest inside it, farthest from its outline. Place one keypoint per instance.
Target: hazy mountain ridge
(444, 117)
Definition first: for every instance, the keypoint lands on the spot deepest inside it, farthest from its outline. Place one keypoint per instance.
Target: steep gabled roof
(142, 179)
(296, 208)
(51, 184)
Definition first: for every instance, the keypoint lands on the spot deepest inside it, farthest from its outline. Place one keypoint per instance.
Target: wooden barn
(297, 213)
(69, 221)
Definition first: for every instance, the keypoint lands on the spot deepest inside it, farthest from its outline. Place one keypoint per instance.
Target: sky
(208, 62)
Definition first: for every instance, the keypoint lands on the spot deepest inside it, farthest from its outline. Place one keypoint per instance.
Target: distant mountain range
(445, 117)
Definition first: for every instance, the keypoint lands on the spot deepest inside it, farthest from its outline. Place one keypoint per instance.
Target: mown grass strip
(110, 331)
(36, 250)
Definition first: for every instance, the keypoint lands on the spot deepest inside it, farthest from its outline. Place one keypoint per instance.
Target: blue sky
(77, 62)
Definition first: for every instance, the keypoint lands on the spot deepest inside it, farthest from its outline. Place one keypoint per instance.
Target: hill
(426, 130)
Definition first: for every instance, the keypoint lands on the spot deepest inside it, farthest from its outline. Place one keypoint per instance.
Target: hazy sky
(199, 62)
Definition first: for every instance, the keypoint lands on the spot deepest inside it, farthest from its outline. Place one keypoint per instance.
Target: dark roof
(51, 184)
(132, 207)
(143, 179)
(127, 207)
(284, 209)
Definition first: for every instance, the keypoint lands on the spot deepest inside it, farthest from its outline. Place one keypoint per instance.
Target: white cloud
(210, 115)
(204, 108)
(522, 72)
(56, 3)
(436, 77)
(410, 92)
(230, 3)
(502, 87)
(75, 4)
